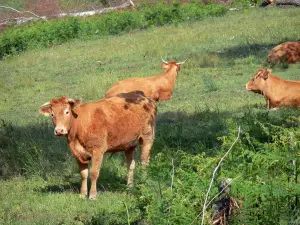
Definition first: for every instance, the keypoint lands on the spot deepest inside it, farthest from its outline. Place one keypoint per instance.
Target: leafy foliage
(53, 32)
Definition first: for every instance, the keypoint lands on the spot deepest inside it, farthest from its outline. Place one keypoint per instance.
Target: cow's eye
(67, 112)
(52, 114)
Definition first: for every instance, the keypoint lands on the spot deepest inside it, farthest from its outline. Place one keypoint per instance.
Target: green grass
(40, 182)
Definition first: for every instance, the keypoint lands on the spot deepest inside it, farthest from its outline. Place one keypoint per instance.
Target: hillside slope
(194, 129)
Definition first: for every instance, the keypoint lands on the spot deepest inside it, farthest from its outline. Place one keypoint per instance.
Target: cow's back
(131, 85)
(282, 92)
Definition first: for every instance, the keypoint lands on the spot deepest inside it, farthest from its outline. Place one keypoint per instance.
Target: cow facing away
(157, 88)
(116, 124)
(277, 92)
(287, 52)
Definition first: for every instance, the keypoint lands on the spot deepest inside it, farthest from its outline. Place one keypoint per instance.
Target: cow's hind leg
(130, 165)
(84, 176)
(94, 172)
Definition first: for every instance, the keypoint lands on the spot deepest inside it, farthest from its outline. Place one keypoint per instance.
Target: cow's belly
(288, 100)
(123, 146)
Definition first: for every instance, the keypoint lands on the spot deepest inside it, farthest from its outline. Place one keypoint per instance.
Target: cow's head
(166, 65)
(258, 82)
(61, 110)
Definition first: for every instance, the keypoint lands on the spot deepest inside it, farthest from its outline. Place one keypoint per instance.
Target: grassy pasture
(40, 182)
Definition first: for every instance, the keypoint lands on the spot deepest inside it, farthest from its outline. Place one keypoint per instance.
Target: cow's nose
(58, 131)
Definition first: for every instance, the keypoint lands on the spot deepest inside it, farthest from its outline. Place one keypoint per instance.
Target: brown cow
(287, 52)
(120, 123)
(277, 92)
(158, 87)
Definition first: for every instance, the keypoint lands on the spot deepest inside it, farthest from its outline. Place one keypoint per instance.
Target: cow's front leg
(130, 165)
(94, 172)
(84, 176)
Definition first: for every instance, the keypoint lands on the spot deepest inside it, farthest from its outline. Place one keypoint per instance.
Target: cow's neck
(168, 77)
(272, 86)
(71, 137)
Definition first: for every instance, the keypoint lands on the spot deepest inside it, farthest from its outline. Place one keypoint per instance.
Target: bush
(58, 31)
(264, 163)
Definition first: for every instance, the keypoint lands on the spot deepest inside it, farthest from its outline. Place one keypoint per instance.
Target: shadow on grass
(70, 187)
(243, 51)
(192, 133)
(34, 150)
(258, 51)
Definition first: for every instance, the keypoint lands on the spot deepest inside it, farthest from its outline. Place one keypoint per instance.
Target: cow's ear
(74, 102)
(266, 74)
(260, 71)
(45, 109)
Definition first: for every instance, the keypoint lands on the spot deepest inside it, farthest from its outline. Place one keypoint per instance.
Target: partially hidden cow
(277, 92)
(287, 52)
(157, 88)
(120, 123)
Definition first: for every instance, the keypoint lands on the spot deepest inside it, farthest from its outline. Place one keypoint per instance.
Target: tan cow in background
(277, 92)
(120, 123)
(157, 88)
(287, 52)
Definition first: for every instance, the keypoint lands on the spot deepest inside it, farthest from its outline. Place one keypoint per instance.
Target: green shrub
(57, 31)
(264, 161)
(161, 14)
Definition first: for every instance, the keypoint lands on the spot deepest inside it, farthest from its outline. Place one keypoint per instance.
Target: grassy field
(39, 180)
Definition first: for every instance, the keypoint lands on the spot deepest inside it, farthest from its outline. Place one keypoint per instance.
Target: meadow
(39, 179)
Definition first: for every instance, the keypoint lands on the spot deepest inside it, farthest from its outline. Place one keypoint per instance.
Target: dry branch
(213, 176)
(280, 2)
(22, 12)
(125, 5)
(19, 20)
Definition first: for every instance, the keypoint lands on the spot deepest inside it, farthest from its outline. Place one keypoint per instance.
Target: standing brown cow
(287, 52)
(277, 92)
(114, 124)
(157, 88)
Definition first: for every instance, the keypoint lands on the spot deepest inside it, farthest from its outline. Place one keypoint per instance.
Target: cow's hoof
(92, 198)
(130, 185)
(83, 196)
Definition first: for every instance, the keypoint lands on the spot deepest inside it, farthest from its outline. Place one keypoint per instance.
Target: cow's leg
(130, 165)
(146, 149)
(94, 172)
(84, 172)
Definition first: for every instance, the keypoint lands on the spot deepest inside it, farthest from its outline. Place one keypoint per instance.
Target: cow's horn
(180, 63)
(164, 60)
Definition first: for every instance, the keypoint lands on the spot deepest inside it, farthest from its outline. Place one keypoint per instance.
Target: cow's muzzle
(247, 87)
(60, 131)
